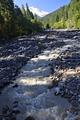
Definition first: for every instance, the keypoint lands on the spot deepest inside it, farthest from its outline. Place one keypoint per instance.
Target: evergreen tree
(29, 13)
(69, 14)
(47, 26)
(15, 21)
(23, 10)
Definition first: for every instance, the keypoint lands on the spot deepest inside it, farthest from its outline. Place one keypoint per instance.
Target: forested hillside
(15, 21)
(67, 16)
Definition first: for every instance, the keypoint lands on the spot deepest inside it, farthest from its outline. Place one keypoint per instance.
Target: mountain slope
(67, 16)
(38, 12)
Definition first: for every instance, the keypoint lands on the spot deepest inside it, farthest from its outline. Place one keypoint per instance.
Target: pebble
(16, 54)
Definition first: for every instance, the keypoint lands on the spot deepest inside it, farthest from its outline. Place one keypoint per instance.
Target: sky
(46, 5)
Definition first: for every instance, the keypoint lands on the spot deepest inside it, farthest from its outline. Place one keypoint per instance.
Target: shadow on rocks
(29, 118)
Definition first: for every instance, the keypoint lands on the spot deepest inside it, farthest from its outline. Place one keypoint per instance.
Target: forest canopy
(15, 21)
(67, 16)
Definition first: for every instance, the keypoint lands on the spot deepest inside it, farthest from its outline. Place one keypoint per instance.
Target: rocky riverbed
(43, 77)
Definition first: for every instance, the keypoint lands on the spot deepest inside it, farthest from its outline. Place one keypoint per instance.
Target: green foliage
(37, 25)
(65, 17)
(27, 13)
(15, 21)
(47, 26)
(7, 13)
(60, 25)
